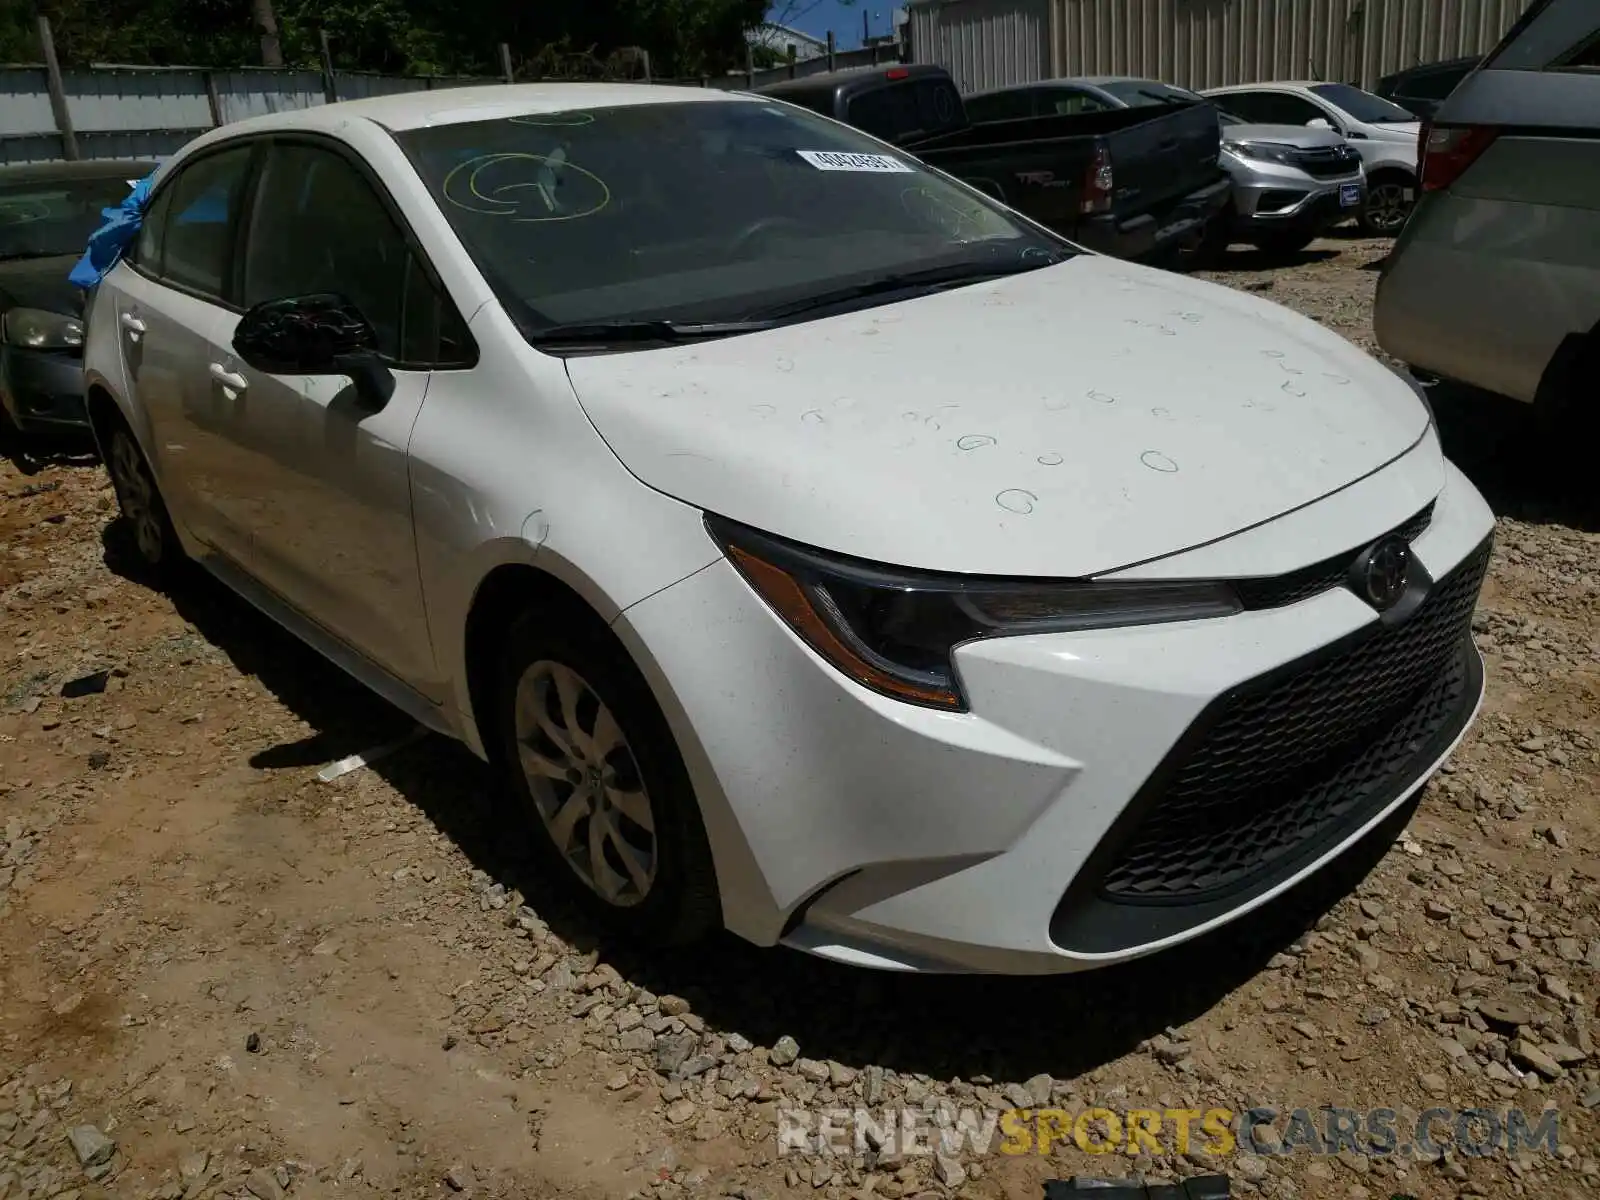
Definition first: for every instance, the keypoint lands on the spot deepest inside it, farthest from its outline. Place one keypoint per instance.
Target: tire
(149, 538)
(564, 673)
(1286, 241)
(1386, 210)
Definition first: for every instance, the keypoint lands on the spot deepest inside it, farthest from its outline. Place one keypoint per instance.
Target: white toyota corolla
(823, 550)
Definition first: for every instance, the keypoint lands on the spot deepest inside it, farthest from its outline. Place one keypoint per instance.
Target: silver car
(1290, 182)
(1383, 133)
(1495, 282)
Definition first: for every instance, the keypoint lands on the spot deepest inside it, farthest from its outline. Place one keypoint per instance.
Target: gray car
(1495, 281)
(1290, 182)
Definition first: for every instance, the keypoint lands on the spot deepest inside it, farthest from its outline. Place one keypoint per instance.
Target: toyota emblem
(1382, 572)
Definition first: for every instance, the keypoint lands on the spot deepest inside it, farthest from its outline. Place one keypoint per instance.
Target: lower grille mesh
(1285, 764)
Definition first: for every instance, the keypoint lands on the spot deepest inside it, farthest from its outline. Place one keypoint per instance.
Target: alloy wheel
(136, 494)
(1387, 208)
(586, 783)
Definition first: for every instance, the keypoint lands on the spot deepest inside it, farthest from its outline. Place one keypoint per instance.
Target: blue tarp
(107, 243)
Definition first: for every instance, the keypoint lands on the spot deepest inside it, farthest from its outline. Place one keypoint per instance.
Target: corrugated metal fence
(144, 112)
(1200, 43)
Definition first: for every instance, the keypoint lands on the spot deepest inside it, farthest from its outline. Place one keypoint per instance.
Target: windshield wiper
(604, 332)
(931, 277)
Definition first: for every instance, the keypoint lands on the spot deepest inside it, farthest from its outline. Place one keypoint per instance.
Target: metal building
(1199, 43)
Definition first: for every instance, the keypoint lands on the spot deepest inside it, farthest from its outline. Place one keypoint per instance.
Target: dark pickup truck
(1134, 183)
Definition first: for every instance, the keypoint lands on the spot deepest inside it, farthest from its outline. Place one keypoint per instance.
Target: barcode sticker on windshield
(837, 160)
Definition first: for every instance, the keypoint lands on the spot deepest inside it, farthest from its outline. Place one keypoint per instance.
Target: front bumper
(43, 389)
(1149, 233)
(1297, 201)
(1110, 794)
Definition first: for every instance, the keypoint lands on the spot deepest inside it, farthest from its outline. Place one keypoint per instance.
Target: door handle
(229, 379)
(133, 325)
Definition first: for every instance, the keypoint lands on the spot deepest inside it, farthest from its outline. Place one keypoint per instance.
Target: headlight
(1262, 151)
(40, 330)
(894, 630)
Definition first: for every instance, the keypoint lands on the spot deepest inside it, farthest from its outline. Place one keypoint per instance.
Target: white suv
(819, 548)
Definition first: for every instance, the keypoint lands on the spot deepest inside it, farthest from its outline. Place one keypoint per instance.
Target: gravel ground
(222, 977)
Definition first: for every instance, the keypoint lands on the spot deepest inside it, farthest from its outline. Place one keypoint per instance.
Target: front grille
(1327, 163)
(1291, 763)
(1278, 590)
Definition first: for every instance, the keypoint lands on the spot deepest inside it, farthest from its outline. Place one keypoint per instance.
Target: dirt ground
(220, 976)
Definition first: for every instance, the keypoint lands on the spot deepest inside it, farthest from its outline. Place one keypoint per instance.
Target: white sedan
(822, 550)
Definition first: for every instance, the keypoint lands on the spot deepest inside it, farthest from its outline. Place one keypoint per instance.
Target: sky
(816, 17)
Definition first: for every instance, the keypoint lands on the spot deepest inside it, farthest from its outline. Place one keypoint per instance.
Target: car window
(698, 210)
(145, 251)
(1362, 106)
(1269, 108)
(903, 110)
(197, 239)
(318, 227)
(45, 218)
(1067, 102)
(1587, 57)
(1000, 106)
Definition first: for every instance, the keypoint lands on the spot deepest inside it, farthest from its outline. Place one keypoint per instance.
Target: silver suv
(1495, 281)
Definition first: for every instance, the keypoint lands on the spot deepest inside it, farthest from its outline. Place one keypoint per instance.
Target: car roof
(94, 168)
(479, 102)
(826, 81)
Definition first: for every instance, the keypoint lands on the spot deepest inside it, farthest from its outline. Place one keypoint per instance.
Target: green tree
(684, 37)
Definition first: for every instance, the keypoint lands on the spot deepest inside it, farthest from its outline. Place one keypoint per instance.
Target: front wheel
(594, 768)
(1387, 207)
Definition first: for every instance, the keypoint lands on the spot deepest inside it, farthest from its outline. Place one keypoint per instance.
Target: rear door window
(1270, 108)
(901, 111)
(1001, 106)
(197, 244)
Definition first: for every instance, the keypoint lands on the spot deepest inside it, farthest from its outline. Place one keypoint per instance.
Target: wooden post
(505, 63)
(213, 99)
(749, 67)
(832, 64)
(330, 86)
(58, 92)
(792, 57)
(644, 56)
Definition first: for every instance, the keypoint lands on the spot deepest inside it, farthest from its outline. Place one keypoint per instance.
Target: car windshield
(1363, 106)
(44, 218)
(1144, 93)
(701, 211)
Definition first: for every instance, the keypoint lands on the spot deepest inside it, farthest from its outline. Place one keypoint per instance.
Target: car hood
(1405, 131)
(40, 283)
(1284, 135)
(1064, 422)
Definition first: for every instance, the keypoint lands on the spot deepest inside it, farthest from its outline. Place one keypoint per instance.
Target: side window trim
(448, 308)
(252, 142)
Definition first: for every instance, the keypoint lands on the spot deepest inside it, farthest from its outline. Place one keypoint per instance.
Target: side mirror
(1318, 123)
(315, 335)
